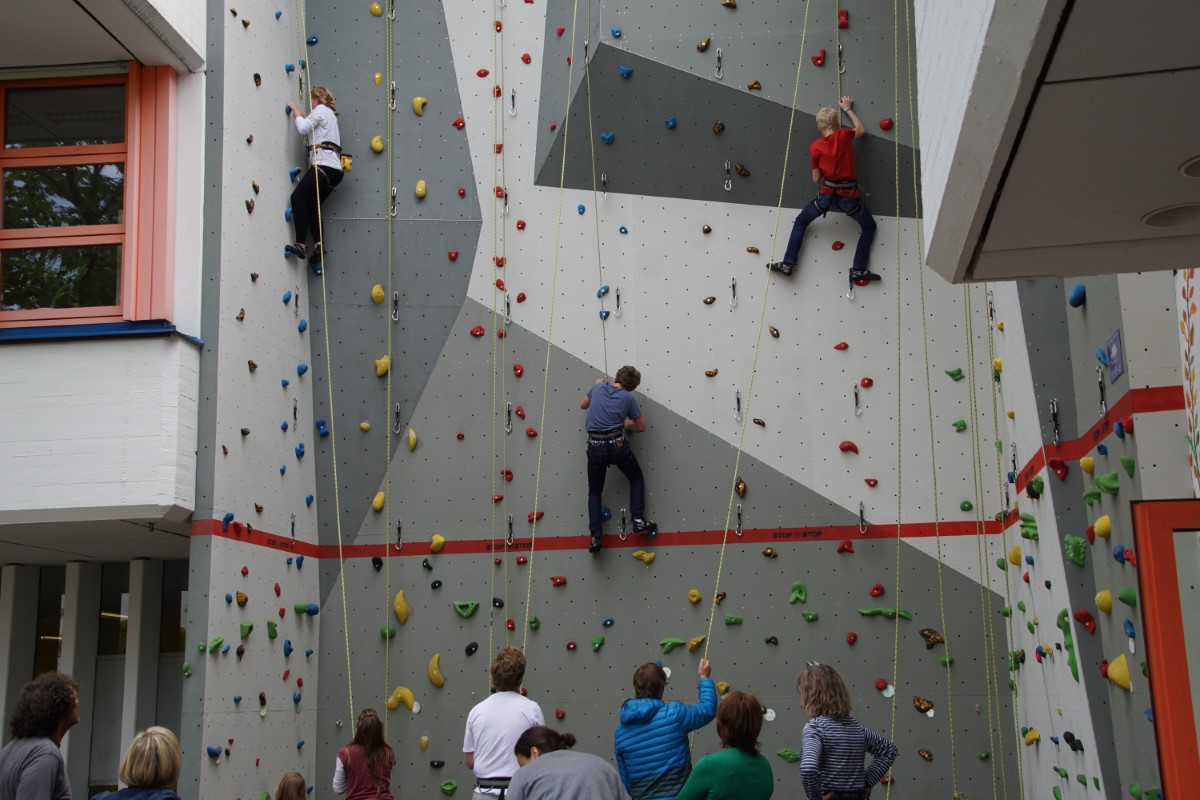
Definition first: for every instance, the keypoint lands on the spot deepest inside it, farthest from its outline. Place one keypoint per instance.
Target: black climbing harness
(493, 783)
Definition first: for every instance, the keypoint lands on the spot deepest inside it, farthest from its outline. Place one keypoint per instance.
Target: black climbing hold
(257, 79)
(435, 585)
(497, 602)
(425, 563)
(377, 563)
(772, 640)
(718, 126)
(437, 764)
(472, 648)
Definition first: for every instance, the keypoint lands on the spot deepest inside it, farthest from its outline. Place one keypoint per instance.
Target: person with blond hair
(494, 725)
(364, 767)
(325, 146)
(149, 768)
(31, 765)
(292, 786)
(739, 771)
(835, 743)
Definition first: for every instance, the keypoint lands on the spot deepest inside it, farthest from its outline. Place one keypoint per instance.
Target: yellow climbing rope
(587, 76)
(390, 320)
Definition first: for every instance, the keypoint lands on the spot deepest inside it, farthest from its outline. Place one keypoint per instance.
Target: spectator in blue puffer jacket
(652, 749)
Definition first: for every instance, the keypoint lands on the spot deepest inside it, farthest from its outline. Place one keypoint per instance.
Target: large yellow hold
(419, 106)
(1118, 673)
(412, 440)
(402, 696)
(437, 543)
(400, 606)
(693, 596)
(377, 144)
(1014, 555)
(377, 294)
(377, 503)
(1032, 735)
(1088, 465)
(694, 643)
(420, 190)
(435, 671)
(1104, 601)
(1103, 527)
(382, 365)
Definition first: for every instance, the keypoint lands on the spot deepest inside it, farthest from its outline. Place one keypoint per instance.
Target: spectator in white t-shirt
(494, 726)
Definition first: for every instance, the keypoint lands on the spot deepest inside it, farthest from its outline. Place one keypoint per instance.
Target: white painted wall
(97, 429)
(186, 18)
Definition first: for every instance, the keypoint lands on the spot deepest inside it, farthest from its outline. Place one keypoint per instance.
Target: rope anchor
(862, 517)
(603, 185)
(719, 74)
(739, 520)
(857, 408)
(617, 295)
(507, 309)
(509, 539)
(728, 178)
(393, 209)
(399, 545)
(1100, 384)
(841, 63)
(396, 426)
(1054, 417)
(508, 425)
(733, 292)
(512, 109)
(395, 306)
(737, 401)
(392, 102)
(293, 525)
(505, 202)
(392, 17)
(623, 535)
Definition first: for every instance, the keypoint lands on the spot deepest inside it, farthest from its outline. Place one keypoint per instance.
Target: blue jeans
(852, 207)
(601, 452)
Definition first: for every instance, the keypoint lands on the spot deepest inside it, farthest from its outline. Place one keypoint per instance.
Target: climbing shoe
(645, 526)
(297, 250)
(782, 267)
(315, 256)
(595, 545)
(863, 275)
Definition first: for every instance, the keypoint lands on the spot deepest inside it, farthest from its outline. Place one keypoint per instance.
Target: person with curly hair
(149, 768)
(364, 767)
(31, 765)
(494, 725)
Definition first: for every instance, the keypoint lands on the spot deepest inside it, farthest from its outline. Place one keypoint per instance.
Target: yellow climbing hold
(378, 78)
(693, 596)
(1104, 601)
(1118, 672)
(377, 503)
(1088, 465)
(435, 672)
(1032, 735)
(437, 543)
(420, 190)
(1103, 527)
(643, 556)
(997, 365)
(1000, 326)
(377, 295)
(382, 365)
(694, 643)
(424, 742)
(419, 106)
(364, 426)
(1014, 555)
(412, 440)
(400, 606)
(1012, 414)
(377, 144)
(402, 695)
(376, 10)
(723, 687)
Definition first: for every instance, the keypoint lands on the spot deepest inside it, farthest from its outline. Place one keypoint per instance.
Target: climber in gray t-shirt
(31, 765)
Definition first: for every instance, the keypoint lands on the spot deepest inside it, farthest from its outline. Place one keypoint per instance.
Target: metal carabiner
(512, 109)
(506, 202)
(720, 72)
(293, 525)
(737, 401)
(603, 185)
(623, 535)
(396, 426)
(1100, 384)
(1054, 417)
(991, 305)
(1013, 446)
(733, 292)
(399, 545)
(509, 539)
(728, 177)
(392, 104)
(508, 425)
(395, 306)
(392, 17)
(507, 309)
(295, 412)
(617, 295)
(738, 531)
(586, 44)
(862, 517)
(841, 63)
(296, 305)
(857, 408)
(395, 193)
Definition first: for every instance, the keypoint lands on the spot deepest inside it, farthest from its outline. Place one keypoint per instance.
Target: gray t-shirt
(33, 769)
(567, 775)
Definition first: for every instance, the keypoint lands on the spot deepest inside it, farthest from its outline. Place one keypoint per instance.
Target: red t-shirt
(834, 156)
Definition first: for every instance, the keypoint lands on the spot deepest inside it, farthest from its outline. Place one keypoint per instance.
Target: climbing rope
(837, 41)
(562, 178)
(762, 316)
(390, 320)
(587, 76)
(337, 498)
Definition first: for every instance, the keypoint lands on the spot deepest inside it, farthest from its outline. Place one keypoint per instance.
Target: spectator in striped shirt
(835, 743)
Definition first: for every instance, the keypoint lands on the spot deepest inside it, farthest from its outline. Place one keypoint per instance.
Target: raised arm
(847, 104)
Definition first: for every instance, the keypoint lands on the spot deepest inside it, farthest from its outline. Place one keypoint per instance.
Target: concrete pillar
(18, 633)
(80, 632)
(141, 648)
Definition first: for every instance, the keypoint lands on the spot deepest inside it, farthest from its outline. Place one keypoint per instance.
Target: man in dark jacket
(653, 755)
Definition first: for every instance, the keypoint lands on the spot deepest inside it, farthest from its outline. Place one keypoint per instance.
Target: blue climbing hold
(299, 743)
(225, 650)
(237, 698)
(302, 326)
(287, 214)
(1119, 553)
(214, 752)
(278, 14)
(287, 297)
(1102, 356)
(299, 562)
(322, 430)
(289, 69)
(1012, 476)
(670, 123)
(283, 469)
(1029, 560)
(1119, 429)
(303, 63)
(581, 208)
(608, 137)
(283, 426)
(1078, 296)
(616, 33)
(301, 368)
(604, 314)
(287, 111)
(294, 174)
(316, 269)
(228, 598)
(308, 653)
(296, 700)
(308, 501)
(622, 230)
(1102, 449)
(289, 561)
(300, 450)
(1150, 715)
(285, 383)
(608, 622)
(287, 647)
(1129, 631)
(225, 520)
(1054, 739)
(313, 609)
(603, 290)
(606, 514)
(626, 72)
(311, 40)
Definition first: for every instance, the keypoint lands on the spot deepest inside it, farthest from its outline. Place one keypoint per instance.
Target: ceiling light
(1174, 216)
(1190, 168)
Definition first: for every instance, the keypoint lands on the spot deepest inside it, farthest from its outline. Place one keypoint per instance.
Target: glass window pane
(60, 277)
(173, 635)
(51, 590)
(73, 115)
(114, 609)
(58, 196)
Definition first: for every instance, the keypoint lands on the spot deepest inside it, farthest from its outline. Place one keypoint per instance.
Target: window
(86, 174)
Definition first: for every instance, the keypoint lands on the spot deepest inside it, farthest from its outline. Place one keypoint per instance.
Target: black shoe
(297, 250)
(645, 526)
(781, 266)
(315, 256)
(595, 545)
(863, 275)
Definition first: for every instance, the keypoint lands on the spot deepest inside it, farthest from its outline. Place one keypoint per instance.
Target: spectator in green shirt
(739, 771)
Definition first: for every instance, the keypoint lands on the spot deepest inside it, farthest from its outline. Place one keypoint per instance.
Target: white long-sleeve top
(321, 126)
(339, 772)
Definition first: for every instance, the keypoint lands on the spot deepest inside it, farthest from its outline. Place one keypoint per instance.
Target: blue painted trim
(104, 330)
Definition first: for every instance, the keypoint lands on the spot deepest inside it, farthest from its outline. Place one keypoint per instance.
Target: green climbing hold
(202, 646)
(1109, 483)
(1145, 673)
(449, 788)
(1038, 483)
(811, 616)
(1029, 627)
(946, 660)
(1062, 773)
(1015, 659)
(799, 593)
(187, 670)
(597, 643)
(670, 643)
(1012, 684)
(790, 756)
(300, 608)
(1021, 606)
(1064, 625)
(1128, 596)
(272, 629)
(1057, 793)
(264, 796)
(960, 425)
(1076, 549)
(1128, 463)
(730, 619)
(888, 613)
(983, 755)
(1091, 496)
(245, 628)
(214, 646)
(956, 374)
(1029, 527)
(465, 608)
(534, 623)
(1082, 779)
(1135, 790)
(1006, 611)
(966, 505)
(387, 631)
(1002, 563)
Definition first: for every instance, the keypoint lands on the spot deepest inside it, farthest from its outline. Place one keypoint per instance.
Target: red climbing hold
(500, 261)
(1037, 654)
(819, 59)
(520, 297)
(496, 498)
(881, 683)
(499, 26)
(238, 528)
(286, 673)
(500, 333)
(848, 447)
(245, 571)
(553, 127)
(499, 190)
(862, 281)
(1130, 557)
(1104, 668)
(281, 612)
(534, 516)
(866, 383)
(497, 561)
(842, 346)
(1086, 620)
(477, 331)
(499, 147)
(497, 91)
(838, 245)
(559, 713)
(1058, 467)
(886, 124)
(570, 645)
(462, 191)
(1091, 534)
(843, 19)
(1025, 577)
(452, 255)
(511, 625)
(277, 590)
(877, 590)
(1127, 424)
(846, 546)
(461, 436)
(459, 123)
(520, 411)
(888, 780)
(300, 682)
(507, 473)
(500, 284)
(560, 30)
(531, 432)
(522, 560)
(526, 58)
(851, 638)
(483, 73)
(872, 482)
(518, 370)
(558, 580)
(520, 224)
(568, 61)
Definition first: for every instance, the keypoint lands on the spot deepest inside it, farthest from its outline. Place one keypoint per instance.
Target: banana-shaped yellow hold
(402, 695)
(400, 606)
(412, 440)
(419, 106)
(377, 144)
(435, 671)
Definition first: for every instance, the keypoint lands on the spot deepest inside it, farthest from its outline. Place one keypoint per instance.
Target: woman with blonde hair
(291, 787)
(149, 768)
(325, 147)
(364, 767)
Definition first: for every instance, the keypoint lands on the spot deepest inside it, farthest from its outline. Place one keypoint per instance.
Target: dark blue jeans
(852, 207)
(612, 450)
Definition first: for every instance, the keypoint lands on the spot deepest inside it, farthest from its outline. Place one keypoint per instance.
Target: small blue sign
(1116, 358)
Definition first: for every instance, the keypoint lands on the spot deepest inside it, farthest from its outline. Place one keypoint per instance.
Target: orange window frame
(147, 231)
